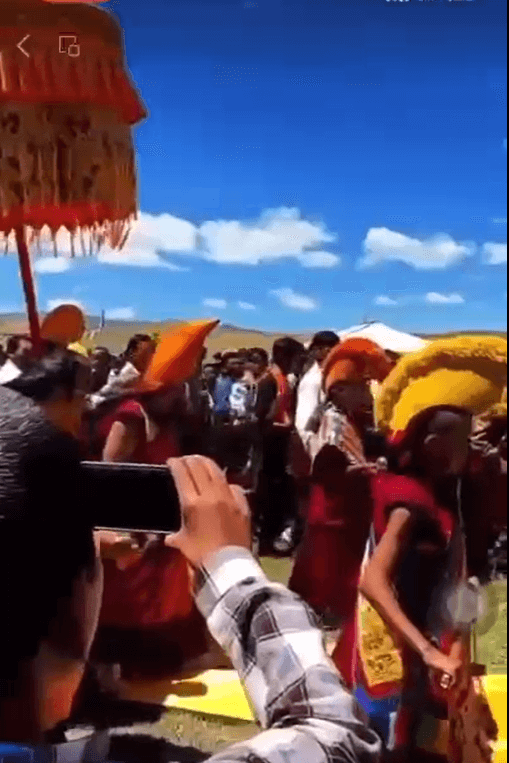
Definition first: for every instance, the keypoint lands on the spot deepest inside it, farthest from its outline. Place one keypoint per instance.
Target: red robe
(328, 562)
(149, 619)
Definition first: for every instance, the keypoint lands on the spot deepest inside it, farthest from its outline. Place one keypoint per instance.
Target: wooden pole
(27, 279)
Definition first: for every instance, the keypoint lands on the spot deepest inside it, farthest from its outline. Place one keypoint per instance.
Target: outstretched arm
(296, 693)
(269, 634)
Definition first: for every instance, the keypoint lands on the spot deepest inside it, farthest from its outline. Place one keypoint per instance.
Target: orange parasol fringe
(82, 242)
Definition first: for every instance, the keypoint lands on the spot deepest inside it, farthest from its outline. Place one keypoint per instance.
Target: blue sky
(307, 164)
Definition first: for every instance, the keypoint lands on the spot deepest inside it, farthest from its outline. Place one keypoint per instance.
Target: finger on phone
(182, 476)
(216, 474)
(241, 500)
(206, 479)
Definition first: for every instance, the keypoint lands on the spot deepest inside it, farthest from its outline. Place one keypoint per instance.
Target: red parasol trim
(70, 216)
(99, 78)
(29, 288)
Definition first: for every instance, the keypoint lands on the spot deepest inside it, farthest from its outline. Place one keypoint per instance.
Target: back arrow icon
(20, 46)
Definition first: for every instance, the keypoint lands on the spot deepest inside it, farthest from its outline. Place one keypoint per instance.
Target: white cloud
(434, 298)
(246, 306)
(278, 234)
(215, 304)
(500, 220)
(293, 300)
(320, 260)
(495, 254)
(54, 303)
(121, 314)
(151, 238)
(52, 265)
(441, 251)
(384, 301)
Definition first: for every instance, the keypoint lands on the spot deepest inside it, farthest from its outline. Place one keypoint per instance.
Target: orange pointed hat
(177, 356)
(355, 360)
(64, 325)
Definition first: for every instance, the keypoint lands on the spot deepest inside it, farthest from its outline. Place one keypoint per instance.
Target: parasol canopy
(386, 337)
(67, 108)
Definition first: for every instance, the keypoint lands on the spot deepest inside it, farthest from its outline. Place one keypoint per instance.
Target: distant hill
(117, 333)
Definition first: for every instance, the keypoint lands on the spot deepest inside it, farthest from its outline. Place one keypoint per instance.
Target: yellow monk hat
(467, 372)
(177, 356)
(499, 411)
(78, 349)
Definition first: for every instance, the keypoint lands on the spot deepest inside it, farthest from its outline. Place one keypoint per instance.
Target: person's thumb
(175, 541)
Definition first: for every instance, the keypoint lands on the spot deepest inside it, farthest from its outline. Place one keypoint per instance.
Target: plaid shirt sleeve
(306, 713)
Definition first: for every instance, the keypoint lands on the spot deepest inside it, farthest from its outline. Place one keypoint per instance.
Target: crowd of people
(383, 477)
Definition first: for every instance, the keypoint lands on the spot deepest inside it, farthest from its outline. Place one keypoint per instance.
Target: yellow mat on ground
(215, 692)
(496, 689)
(220, 693)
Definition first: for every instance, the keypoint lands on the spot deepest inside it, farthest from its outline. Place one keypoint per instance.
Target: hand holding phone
(215, 515)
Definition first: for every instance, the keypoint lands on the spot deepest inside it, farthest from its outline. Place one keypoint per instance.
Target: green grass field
(213, 734)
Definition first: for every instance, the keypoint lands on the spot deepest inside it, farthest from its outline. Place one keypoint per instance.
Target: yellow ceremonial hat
(78, 349)
(467, 372)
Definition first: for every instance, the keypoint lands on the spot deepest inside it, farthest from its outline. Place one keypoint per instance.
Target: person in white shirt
(309, 394)
(137, 356)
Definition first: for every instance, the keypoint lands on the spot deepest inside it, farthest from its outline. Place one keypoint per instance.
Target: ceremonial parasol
(67, 108)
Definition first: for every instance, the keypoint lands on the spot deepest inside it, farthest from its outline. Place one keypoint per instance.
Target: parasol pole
(28, 286)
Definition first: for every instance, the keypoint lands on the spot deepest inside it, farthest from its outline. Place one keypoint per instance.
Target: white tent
(386, 337)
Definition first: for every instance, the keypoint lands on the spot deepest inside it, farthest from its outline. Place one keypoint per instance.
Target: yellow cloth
(467, 371)
(496, 691)
(215, 692)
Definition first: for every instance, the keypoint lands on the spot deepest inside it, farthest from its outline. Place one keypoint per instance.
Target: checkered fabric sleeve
(297, 695)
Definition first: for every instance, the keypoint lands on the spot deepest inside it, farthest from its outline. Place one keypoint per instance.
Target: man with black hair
(137, 357)
(51, 578)
(276, 500)
(101, 366)
(310, 387)
(19, 355)
(230, 370)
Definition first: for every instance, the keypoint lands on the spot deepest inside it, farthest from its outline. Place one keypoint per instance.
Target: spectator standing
(101, 362)
(137, 358)
(276, 500)
(230, 371)
(257, 364)
(209, 375)
(310, 389)
(310, 395)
